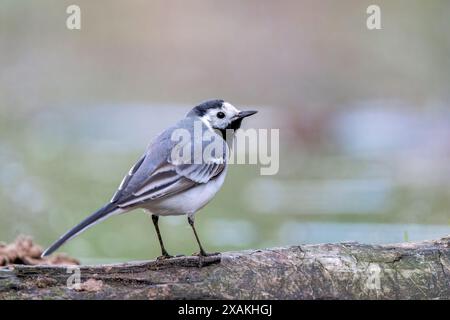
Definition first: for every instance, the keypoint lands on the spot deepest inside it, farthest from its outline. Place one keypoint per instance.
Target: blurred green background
(363, 115)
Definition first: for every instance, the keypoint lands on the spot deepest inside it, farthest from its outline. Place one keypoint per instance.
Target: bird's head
(220, 115)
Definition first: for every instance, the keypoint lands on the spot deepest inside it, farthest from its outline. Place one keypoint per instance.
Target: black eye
(220, 115)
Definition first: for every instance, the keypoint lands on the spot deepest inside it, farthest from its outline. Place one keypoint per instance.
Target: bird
(163, 184)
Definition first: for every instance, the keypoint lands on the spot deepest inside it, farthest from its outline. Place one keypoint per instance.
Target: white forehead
(229, 107)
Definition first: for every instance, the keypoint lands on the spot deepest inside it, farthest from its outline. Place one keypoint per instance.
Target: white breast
(187, 202)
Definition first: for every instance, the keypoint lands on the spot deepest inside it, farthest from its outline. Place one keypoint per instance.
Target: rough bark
(323, 271)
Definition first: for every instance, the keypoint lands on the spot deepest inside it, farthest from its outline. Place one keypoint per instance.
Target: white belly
(187, 202)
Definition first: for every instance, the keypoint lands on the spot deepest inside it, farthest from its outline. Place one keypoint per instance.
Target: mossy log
(323, 271)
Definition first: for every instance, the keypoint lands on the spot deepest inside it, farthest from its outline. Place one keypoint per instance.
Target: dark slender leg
(163, 250)
(202, 251)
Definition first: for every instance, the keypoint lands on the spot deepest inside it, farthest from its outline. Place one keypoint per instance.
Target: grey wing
(155, 176)
(170, 179)
(125, 181)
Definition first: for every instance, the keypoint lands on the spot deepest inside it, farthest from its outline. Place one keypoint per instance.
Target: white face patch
(212, 120)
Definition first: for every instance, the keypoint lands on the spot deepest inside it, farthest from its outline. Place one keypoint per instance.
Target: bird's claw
(206, 254)
(168, 256)
(164, 257)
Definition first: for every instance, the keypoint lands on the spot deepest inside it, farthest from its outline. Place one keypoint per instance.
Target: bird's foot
(168, 256)
(164, 256)
(206, 254)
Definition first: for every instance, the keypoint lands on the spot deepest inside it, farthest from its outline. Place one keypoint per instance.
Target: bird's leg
(164, 255)
(202, 251)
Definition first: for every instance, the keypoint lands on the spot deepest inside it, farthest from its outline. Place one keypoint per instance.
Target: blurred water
(378, 233)
(320, 197)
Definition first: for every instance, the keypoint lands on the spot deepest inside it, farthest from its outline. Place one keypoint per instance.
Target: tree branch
(323, 271)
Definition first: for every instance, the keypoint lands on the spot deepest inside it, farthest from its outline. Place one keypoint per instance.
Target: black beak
(237, 120)
(244, 114)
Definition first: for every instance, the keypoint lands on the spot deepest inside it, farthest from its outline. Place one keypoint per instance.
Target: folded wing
(155, 176)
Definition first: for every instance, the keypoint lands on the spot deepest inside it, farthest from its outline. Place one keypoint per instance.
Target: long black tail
(94, 218)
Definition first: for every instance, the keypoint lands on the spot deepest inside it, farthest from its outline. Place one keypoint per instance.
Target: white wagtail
(163, 186)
